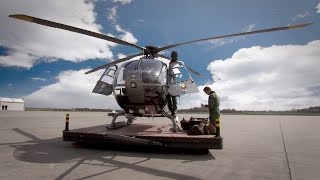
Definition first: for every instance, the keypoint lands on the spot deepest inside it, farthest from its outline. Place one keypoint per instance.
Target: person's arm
(181, 63)
(211, 101)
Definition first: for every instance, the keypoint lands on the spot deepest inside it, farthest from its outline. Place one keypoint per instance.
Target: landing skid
(131, 118)
(116, 125)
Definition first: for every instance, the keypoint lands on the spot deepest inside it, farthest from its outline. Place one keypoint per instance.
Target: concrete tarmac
(255, 147)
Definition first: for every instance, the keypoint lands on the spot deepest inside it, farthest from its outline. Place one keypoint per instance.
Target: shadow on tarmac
(57, 151)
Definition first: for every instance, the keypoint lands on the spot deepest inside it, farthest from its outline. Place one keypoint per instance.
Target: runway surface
(255, 147)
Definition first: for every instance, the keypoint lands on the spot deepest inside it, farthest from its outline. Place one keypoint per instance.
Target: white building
(11, 104)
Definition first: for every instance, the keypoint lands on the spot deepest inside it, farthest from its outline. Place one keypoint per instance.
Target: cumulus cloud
(280, 77)
(73, 89)
(16, 58)
(28, 42)
(318, 8)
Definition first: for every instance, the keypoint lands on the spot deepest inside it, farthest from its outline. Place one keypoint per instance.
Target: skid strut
(174, 120)
(131, 118)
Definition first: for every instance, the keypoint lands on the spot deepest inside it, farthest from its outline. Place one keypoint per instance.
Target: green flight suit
(213, 105)
(214, 112)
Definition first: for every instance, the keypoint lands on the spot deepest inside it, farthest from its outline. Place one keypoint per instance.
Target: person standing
(173, 74)
(214, 112)
(172, 100)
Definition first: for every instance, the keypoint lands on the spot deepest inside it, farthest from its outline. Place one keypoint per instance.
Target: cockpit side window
(105, 84)
(120, 77)
(108, 75)
(111, 71)
(163, 74)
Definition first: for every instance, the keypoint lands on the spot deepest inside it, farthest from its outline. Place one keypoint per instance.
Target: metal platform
(150, 135)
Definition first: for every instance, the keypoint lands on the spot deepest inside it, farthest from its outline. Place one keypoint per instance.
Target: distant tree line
(310, 109)
(70, 109)
(201, 109)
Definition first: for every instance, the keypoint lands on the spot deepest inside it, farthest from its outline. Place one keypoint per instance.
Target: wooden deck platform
(150, 135)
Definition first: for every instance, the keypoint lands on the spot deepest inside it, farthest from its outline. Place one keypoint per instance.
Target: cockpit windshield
(153, 71)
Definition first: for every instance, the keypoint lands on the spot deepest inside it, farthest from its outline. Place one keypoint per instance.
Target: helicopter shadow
(55, 150)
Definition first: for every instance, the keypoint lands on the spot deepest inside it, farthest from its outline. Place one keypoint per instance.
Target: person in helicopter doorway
(214, 112)
(172, 75)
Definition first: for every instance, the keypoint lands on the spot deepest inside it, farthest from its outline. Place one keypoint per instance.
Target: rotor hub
(150, 50)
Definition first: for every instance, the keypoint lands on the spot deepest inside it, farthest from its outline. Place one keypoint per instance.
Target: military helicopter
(141, 86)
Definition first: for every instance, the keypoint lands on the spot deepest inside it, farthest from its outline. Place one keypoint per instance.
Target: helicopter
(142, 86)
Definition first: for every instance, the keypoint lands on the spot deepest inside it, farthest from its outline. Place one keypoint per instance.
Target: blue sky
(35, 60)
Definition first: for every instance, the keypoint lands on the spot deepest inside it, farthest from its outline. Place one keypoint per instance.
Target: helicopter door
(179, 85)
(104, 85)
(183, 87)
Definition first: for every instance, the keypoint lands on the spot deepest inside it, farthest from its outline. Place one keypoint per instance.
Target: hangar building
(11, 104)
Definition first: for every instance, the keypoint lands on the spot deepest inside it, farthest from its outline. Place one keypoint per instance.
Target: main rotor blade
(237, 34)
(189, 68)
(113, 63)
(193, 71)
(72, 28)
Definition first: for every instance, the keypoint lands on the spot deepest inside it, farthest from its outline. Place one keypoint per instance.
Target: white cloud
(300, 16)
(19, 59)
(123, 1)
(220, 42)
(27, 42)
(250, 27)
(120, 55)
(125, 34)
(280, 77)
(112, 16)
(72, 90)
(38, 79)
(318, 8)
